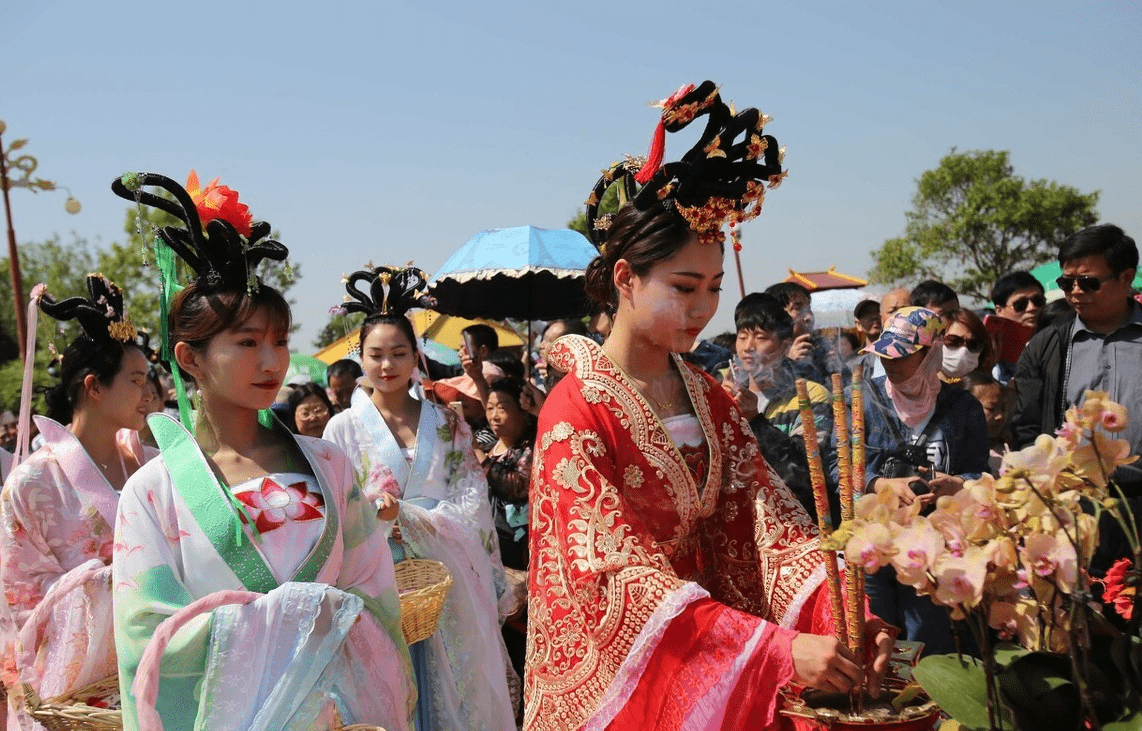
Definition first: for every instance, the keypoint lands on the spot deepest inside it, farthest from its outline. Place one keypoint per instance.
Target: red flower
(1114, 588)
(218, 201)
(274, 504)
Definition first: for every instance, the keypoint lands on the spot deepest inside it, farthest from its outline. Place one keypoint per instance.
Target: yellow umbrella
(338, 349)
(444, 329)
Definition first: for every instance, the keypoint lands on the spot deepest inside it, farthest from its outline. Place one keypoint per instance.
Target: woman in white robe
(245, 505)
(414, 460)
(57, 508)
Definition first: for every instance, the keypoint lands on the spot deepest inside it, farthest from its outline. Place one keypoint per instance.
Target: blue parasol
(524, 273)
(440, 353)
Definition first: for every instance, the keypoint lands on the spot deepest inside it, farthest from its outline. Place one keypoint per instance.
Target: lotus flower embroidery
(274, 504)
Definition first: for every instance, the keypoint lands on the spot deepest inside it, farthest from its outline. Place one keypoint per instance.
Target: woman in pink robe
(57, 508)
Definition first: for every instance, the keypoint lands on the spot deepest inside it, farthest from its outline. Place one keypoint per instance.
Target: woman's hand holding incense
(823, 663)
(882, 641)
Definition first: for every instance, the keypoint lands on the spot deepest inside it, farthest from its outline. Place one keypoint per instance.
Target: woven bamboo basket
(423, 586)
(72, 712)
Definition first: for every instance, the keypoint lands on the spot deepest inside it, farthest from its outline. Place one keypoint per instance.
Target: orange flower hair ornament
(219, 201)
(218, 240)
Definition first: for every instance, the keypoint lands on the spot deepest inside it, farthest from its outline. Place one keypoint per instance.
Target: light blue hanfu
(445, 516)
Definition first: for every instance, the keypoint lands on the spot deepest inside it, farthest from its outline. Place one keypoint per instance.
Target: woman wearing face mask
(414, 461)
(57, 509)
(923, 439)
(663, 553)
(967, 346)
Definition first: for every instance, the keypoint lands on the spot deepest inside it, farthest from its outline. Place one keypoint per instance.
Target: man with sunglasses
(1098, 348)
(1018, 296)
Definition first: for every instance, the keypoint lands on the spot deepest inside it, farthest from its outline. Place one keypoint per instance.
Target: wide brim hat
(451, 389)
(909, 330)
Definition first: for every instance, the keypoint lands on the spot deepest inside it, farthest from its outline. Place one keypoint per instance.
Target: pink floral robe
(56, 517)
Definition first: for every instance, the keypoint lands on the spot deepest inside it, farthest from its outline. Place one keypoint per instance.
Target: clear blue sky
(396, 130)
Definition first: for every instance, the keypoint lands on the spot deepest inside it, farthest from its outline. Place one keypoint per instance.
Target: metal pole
(13, 257)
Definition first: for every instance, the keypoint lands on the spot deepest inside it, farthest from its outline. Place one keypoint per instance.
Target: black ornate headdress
(220, 242)
(101, 316)
(143, 340)
(722, 179)
(392, 291)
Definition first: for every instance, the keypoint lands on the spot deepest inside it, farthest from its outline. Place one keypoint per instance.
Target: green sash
(210, 504)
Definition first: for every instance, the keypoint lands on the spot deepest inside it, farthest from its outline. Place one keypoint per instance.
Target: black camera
(905, 461)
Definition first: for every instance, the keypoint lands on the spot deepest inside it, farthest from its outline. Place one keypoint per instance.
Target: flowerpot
(817, 711)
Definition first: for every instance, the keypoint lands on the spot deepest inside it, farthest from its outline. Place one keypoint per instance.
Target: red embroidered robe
(657, 602)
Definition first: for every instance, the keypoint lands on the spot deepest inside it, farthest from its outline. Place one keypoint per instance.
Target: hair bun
(721, 179)
(101, 315)
(221, 256)
(392, 291)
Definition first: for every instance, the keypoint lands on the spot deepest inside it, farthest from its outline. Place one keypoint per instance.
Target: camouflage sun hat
(909, 330)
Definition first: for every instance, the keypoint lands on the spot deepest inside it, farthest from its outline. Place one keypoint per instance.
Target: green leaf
(1039, 690)
(1007, 653)
(958, 686)
(1133, 722)
(1125, 651)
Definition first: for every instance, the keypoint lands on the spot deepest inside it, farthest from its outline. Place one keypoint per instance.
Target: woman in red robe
(675, 582)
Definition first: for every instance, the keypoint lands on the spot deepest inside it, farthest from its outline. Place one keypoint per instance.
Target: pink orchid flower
(1051, 555)
(918, 547)
(871, 545)
(960, 579)
(1098, 459)
(1041, 462)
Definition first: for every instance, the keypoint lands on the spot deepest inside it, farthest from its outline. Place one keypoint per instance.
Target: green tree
(12, 377)
(62, 267)
(973, 220)
(609, 204)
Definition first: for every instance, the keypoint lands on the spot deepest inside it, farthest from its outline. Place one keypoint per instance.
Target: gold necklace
(644, 389)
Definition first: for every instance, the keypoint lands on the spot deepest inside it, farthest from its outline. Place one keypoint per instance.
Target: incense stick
(854, 575)
(844, 456)
(854, 595)
(858, 458)
(821, 500)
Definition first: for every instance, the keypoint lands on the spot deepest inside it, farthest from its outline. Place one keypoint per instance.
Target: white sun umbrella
(834, 307)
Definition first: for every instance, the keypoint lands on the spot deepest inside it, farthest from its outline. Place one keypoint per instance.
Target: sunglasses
(955, 342)
(1086, 284)
(1020, 305)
